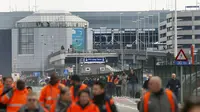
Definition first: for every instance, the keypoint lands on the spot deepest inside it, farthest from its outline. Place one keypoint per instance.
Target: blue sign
(94, 60)
(78, 39)
(36, 74)
(66, 71)
(182, 63)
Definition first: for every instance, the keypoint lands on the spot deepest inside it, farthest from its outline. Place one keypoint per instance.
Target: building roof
(52, 17)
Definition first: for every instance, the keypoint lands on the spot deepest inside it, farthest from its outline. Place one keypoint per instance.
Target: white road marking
(126, 106)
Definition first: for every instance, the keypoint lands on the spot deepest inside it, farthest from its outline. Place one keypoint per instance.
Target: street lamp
(175, 29)
(42, 54)
(121, 43)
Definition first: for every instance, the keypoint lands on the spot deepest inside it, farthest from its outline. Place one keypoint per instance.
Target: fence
(190, 77)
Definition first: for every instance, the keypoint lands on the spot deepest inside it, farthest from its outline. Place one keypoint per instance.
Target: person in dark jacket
(174, 85)
(104, 102)
(132, 83)
(145, 85)
(63, 102)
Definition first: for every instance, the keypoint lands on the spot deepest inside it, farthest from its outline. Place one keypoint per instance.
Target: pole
(148, 34)
(175, 29)
(181, 84)
(152, 44)
(76, 59)
(42, 55)
(121, 43)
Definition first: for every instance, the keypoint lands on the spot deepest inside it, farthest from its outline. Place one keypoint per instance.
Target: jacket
(105, 103)
(74, 92)
(49, 95)
(14, 99)
(60, 106)
(174, 85)
(132, 79)
(3, 91)
(159, 102)
(24, 108)
(76, 107)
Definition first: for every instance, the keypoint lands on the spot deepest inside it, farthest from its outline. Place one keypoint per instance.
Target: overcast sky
(93, 5)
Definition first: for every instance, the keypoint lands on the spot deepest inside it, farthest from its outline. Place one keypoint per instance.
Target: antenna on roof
(10, 8)
(29, 5)
(35, 5)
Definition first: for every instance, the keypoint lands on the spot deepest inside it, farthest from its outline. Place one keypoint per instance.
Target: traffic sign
(181, 56)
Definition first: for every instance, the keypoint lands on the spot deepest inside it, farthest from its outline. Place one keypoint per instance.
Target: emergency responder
(174, 85)
(63, 102)
(117, 83)
(5, 88)
(32, 104)
(105, 103)
(158, 99)
(76, 87)
(49, 93)
(83, 104)
(110, 84)
(16, 97)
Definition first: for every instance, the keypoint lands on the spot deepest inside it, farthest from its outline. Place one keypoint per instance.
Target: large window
(185, 36)
(26, 41)
(197, 36)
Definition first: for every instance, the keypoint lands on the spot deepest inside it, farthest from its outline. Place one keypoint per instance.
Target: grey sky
(93, 5)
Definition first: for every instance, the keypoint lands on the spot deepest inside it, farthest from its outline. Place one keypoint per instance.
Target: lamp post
(175, 29)
(42, 54)
(121, 43)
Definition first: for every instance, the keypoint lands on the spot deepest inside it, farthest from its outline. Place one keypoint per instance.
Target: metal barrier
(190, 77)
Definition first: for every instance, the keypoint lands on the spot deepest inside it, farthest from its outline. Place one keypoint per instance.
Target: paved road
(126, 104)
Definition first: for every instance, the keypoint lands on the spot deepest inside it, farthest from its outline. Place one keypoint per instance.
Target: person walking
(174, 85)
(110, 84)
(157, 99)
(83, 104)
(50, 93)
(132, 84)
(64, 101)
(124, 84)
(76, 87)
(104, 102)
(32, 104)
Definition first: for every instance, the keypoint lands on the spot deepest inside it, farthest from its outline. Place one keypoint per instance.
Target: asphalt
(125, 104)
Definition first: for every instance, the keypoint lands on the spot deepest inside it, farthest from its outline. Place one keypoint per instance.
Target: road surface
(125, 104)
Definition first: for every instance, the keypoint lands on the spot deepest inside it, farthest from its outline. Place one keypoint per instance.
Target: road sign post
(181, 60)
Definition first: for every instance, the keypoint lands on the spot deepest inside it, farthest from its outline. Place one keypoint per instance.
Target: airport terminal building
(28, 38)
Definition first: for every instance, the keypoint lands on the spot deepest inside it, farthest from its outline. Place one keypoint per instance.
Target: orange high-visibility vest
(77, 108)
(49, 95)
(14, 99)
(110, 79)
(169, 96)
(75, 98)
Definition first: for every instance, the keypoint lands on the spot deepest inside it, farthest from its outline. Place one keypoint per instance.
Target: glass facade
(110, 38)
(26, 41)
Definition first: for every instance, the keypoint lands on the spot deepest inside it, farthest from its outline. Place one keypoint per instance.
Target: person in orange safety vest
(83, 104)
(104, 102)
(16, 97)
(76, 87)
(110, 84)
(50, 93)
(157, 99)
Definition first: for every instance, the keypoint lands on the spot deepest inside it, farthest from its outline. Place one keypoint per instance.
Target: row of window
(184, 37)
(189, 18)
(197, 27)
(183, 46)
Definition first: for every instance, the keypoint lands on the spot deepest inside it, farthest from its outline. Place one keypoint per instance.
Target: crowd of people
(75, 95)
(55, 97)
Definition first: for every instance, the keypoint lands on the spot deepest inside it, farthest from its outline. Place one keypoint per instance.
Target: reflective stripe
(15, 105)
(50, 98)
